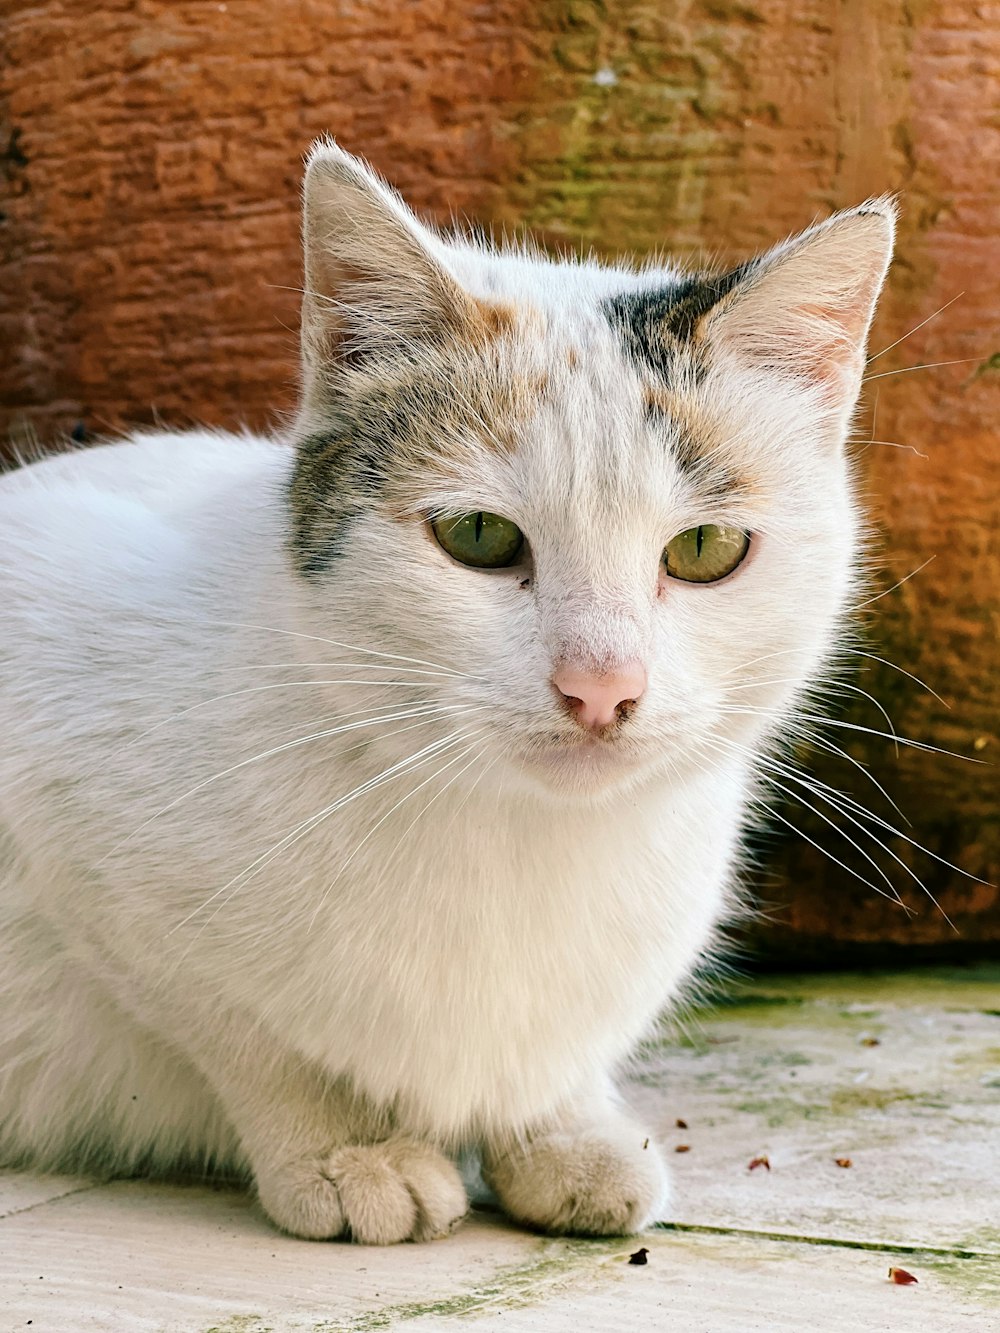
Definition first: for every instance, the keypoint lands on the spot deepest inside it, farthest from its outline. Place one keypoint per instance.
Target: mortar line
(893, 1247)
(55, 1198)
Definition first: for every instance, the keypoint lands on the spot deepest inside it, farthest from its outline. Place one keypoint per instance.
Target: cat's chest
(481, 975)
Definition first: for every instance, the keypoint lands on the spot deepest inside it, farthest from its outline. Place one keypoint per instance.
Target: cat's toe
(589, 1184)
(300, 1198)
(375, 1194)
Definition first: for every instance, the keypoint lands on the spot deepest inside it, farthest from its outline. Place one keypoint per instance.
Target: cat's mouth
(583, 763)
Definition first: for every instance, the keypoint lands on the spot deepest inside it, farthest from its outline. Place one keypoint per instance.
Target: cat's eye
(482, 540)
(706, 553)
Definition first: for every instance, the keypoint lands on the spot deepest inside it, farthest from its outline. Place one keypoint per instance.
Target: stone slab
(805, 1245)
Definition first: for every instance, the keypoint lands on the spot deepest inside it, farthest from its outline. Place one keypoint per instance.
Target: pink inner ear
(806, 309)
(832, 343)
(819, 342)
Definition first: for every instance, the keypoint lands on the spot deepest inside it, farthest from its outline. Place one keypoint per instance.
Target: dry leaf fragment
(639, 1257)
(681, 1124)
(901, 1277)
(843, 1161)
(682, 1147)
(645, 1144)
(870, 1041)
(762, 1160)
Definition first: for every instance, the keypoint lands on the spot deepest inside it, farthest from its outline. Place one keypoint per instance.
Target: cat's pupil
(479, 526)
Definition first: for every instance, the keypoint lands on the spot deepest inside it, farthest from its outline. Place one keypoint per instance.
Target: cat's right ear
(376, 279)
(804, 309)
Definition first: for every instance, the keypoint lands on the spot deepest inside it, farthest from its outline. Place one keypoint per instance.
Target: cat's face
(612, 508)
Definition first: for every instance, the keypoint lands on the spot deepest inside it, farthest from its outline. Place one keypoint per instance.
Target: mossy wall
(150, 165)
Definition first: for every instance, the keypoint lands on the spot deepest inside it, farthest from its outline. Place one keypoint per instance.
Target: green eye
(705, 553)
(485, 541)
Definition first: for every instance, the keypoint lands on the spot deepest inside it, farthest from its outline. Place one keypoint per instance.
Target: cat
(367, 793)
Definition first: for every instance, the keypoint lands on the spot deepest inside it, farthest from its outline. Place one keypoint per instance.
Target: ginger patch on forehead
(700, 444)
(487, 320)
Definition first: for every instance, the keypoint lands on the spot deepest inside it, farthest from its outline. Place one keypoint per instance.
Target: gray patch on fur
(657, 327)
(379, 426)
(656, 324)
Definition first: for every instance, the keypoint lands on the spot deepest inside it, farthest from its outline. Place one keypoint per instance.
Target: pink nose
(595, 700)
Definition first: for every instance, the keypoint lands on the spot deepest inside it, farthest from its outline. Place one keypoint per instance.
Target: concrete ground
(897, 1075)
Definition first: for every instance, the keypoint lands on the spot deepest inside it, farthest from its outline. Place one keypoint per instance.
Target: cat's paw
(375, 1194)
(589, 1183)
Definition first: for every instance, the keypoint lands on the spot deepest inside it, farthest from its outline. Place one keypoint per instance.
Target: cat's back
(163, 472)
(106, 548)
(134, 500)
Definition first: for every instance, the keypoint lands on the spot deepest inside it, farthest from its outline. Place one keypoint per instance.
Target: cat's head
(610, 508)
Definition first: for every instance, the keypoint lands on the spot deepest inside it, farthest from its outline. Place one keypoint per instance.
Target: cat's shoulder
(147, 464)
(119, 522)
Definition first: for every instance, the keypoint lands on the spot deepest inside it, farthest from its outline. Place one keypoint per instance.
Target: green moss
(974, 1279)
(932, 1253)
(750, 999)
(863, 1097)
(992, 363)
(511, 1288)
(953, 988)
(980, 1059)
(842, 1103)
(775, 1111)
(242, 1323)
(733, 12)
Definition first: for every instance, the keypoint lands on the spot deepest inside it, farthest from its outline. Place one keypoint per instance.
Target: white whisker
(771, 767)
(825, 851)
(348, 647)
(433, 777)
(940, 310)
(828, 687)
(930, 365)
(825, 744)
(903, 672)
(912, 574)
(847, 649)
(845, 805)
(306, 826)
(893, 736)
(255, 689)
(812, 737)
(353, 666)
(893, 444)
(854, 726)
(424, 711)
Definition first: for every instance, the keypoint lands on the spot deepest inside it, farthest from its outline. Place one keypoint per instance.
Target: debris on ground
(639, 1257)
(901, 1277)
(763, 1160)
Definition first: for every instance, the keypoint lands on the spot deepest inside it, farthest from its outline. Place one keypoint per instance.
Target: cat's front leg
(328, 1164)
(590, 1171)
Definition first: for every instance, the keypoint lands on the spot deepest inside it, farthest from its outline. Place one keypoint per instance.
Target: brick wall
(150, 165)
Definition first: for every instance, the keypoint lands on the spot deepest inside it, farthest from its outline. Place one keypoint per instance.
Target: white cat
(366, 795)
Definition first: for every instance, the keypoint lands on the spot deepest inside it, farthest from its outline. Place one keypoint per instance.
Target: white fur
(435, 962)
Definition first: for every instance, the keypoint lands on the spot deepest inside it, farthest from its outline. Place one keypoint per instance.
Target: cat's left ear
(804, 309)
